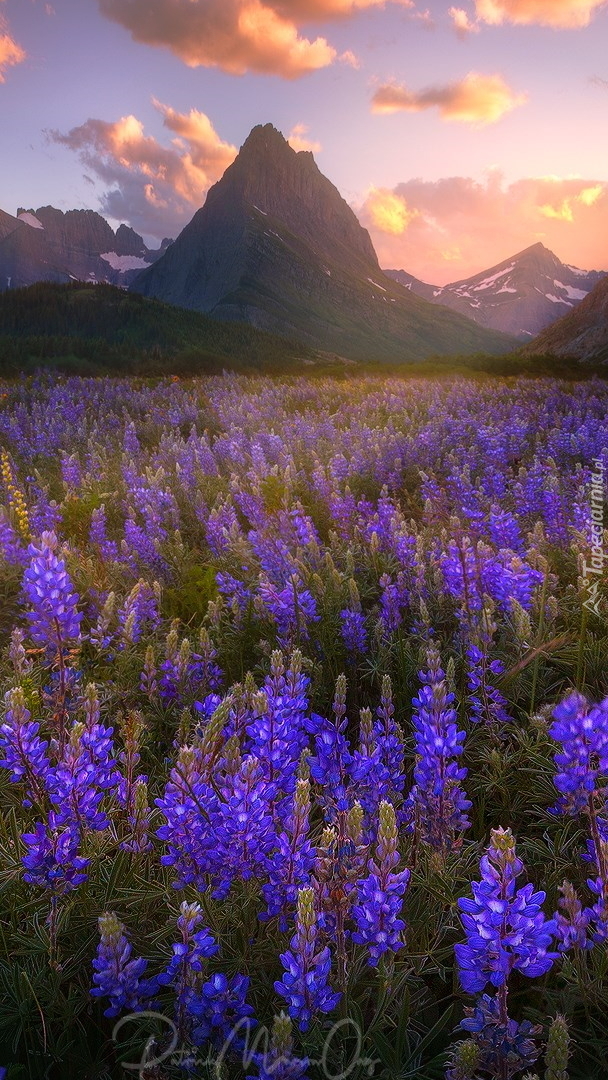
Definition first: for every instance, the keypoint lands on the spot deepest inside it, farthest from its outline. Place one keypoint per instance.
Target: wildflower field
(304, 734)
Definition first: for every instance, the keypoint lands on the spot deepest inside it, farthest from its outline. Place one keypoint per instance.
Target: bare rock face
(50, 245)
(277, 246)
(581, 335)
(520, 296)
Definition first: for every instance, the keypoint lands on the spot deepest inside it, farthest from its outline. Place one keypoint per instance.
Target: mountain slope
(581, 335)
(49, 245)
(275, 245)
(115, 330)
(520, 296)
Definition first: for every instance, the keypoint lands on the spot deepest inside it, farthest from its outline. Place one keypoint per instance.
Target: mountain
(97, 329)
(49, 245)
(581, 335)
(520, 296)
(276, 246)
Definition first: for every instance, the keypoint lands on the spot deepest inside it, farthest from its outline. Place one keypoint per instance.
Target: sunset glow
(457, 133)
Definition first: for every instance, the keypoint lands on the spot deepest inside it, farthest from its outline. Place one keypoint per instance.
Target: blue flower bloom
(437, 805)
(54, 618)
(305, 983)
(505, 926)
(380, 894)
(116, 976)
(53, 862)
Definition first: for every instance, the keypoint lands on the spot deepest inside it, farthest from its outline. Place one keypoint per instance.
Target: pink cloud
(462, 24)
(10, 52)
(155, 188)
(477, 99)
(448, 229)
(560, 14)
(298, 140)
(239, 35)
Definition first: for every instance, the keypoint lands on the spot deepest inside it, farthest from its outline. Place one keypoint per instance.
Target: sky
(459, 133)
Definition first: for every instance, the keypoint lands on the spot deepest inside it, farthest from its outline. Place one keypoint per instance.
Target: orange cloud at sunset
(389, 212)
(476, 99)
(152, 186)
(462, 23)
(457, 226)
(563, 14)
(10, 52)
(298, 140)
(240, 35)
(235, 35)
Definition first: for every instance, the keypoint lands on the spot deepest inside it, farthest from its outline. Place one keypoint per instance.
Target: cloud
(154, 187)
(462, 24)
(10, 52)
(560, 14)
(447, 229)
(476, 99)
(238, 35)
(389, 212)
(298, 141)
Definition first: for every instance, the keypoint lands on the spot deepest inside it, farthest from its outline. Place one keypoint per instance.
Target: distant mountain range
(520, 296)
(581, 335)
(49, 245)
(275, 245)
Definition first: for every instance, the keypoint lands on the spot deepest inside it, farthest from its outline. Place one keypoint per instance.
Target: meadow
(304, 735)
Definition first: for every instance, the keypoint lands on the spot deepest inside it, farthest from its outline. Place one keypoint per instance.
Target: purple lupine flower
(291, 607)
(582, 730)
(278, 1062)
(53, 862)
(289, 867)
(108, 549)
(196, 946)
(505, 926)
(85, 772)
(353, 631)
(191, 848)
(189, 957)
(377, 770)
(54, 619)
(332, 760)
(277, 729)
(219, 1010)
(437, 805)
(487, 705)
(380, 894)
(507, 577)
(141, 550)
(506, 1046)
(116, 976)
(139, 612)
(305, 982)
(572, 923)
(394, 600)
(461, 571)
(352, 619)
(242, 826)
(22, 751)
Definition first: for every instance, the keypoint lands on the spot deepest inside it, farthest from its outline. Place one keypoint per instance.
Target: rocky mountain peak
(272, 178)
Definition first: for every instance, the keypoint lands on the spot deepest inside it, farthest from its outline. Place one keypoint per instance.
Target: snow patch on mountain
(30, 219)
(571, 292)
(124, 262)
